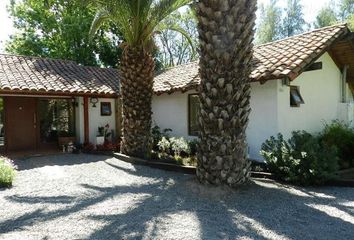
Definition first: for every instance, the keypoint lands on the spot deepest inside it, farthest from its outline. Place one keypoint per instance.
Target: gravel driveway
(98, 197)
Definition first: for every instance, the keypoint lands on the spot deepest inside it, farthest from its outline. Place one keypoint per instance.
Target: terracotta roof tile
(22, 73)
(275, 60)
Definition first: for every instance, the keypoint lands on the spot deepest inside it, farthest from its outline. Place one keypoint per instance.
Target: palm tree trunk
(226, 32)
(136, 88)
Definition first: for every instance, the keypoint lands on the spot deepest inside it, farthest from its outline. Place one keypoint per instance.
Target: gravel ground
(98, 197)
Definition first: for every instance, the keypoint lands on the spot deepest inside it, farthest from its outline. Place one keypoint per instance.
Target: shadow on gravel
(262, 210)
(61, 160)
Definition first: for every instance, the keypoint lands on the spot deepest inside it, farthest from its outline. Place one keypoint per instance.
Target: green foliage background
(59, 29)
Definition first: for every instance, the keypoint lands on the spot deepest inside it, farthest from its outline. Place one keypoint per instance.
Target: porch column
(86, 121)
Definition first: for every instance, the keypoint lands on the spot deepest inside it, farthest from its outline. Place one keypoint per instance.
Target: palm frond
(159, 12)
(100, 17)
(179, 30)
(137, 20)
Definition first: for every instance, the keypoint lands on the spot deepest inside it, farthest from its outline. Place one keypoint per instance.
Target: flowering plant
(103, 131)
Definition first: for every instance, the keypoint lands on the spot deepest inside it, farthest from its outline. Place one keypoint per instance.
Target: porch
(42, 124)
(47, 102)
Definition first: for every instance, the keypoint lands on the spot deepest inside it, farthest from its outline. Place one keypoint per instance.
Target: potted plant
(102, 135)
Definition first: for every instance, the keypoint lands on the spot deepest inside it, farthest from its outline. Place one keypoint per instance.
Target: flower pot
(99, 140)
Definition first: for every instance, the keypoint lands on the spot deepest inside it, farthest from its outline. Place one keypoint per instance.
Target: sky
(311, 8)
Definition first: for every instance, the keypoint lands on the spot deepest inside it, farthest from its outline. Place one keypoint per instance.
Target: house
(44, 99)
(298, 83)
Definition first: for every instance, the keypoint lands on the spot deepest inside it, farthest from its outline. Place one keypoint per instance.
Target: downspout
(344, 84)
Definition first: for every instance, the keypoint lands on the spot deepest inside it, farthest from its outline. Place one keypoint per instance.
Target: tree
(346, 9)
(226, 32)
(138, 21)
(269, 28)
(177, 49)
(293, 22)
(58, 29)
(327, 16)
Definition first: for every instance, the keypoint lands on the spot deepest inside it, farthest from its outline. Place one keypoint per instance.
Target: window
(193, 105)
(295, 97)
(57, 119)
(314, 66)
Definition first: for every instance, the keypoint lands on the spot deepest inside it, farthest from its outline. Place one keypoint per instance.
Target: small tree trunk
(136, 89)
(226, 32)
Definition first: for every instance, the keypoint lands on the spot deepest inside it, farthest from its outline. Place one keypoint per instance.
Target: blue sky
(311, 7)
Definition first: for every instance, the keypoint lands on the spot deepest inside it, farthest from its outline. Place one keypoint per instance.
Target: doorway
(21, 123)
(36, 124)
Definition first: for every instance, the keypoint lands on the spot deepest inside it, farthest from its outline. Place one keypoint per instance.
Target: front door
(21, 125)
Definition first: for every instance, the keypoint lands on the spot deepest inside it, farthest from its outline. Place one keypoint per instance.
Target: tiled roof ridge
(302, 34)
(180, 65)
(283, 58)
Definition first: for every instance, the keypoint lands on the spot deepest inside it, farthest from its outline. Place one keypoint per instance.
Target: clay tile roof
(286, 58)
(43, 75)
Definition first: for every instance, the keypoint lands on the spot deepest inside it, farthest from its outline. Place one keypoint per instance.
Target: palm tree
(138, 21)
(226, 32)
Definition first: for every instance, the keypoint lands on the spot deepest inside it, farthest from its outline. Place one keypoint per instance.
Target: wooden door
(21, 132)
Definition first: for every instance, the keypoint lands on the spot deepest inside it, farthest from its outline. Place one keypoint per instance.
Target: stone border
(177, 168)
(159, 165)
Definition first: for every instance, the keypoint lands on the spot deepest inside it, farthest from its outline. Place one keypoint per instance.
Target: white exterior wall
(171, 111)
(95, 119)
(263, 120)
(321, 91)
(270, 103)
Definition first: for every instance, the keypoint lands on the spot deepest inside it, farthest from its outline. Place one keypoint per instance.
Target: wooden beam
(86, 120)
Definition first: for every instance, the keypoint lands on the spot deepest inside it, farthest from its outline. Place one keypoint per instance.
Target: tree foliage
(174, 48)
(336, 12)
(293, 22)
(326, 17)
(59, 29)
(269, 28)
(276, 22)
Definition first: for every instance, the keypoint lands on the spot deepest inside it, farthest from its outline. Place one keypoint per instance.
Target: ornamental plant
(302, 160)
(7, 172)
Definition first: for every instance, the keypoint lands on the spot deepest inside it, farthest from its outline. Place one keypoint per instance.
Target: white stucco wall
(270, 103)
(321, 91)
(171, 111)
(95, 118)
(263, 120)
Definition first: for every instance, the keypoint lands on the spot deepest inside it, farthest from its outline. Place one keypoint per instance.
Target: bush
(157, 135)
(88, 147)
(303, 159)
(179, 146)
(193, 145)
(7, 172)
(164, 145)
(108, 147)
(341, 136)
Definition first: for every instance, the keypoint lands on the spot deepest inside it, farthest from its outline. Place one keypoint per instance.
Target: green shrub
(179, 146)
(7, 172)
(303, 159)
(193, 144)
(164, 145)
(341, 136)
(157, 135)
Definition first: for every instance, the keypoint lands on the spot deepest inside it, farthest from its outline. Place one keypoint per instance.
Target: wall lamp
(93, 101)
